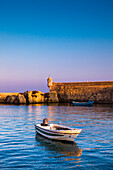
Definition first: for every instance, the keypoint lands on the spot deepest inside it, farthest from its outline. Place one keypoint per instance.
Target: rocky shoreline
(28, 97)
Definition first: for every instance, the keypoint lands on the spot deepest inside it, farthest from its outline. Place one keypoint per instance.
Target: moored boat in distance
(89, 103)
(57, 132)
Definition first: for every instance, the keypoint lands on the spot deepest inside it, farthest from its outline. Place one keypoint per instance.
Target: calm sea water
(21, 148)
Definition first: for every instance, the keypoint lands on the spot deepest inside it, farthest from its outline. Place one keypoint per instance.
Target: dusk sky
(71, 40)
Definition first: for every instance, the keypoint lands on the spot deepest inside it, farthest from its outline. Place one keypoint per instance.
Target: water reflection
(34, 108)
(64, 149)
(19, 149)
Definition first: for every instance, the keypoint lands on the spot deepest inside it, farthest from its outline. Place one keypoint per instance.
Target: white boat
(57, 132)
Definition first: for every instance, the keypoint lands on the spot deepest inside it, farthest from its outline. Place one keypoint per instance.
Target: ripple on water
(21, 148)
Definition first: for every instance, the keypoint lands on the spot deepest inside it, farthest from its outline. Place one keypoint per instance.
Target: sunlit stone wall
(100, 92)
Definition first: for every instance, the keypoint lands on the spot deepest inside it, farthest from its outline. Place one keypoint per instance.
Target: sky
(71, 40)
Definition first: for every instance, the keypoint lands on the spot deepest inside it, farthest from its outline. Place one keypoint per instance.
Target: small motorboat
(89, 103)
(57, 132)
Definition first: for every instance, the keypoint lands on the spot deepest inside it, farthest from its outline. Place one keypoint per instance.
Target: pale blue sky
(68, 39)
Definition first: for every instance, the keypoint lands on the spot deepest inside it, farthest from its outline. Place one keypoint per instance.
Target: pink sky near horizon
(71, 41)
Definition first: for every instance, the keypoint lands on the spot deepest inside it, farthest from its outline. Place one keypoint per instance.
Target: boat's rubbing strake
(47, 132)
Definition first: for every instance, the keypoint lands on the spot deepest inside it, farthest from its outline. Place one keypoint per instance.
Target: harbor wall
(100, 92)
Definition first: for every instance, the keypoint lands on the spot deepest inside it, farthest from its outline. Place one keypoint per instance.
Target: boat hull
(50, 134)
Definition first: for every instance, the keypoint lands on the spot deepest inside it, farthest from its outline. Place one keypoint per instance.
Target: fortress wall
(100, 92)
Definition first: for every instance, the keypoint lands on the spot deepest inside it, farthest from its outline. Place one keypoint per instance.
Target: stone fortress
(99, 92)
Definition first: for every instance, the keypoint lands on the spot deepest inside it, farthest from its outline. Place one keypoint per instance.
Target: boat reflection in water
(63, 148)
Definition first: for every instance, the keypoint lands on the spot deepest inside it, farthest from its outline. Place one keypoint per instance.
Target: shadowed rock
(11, 99)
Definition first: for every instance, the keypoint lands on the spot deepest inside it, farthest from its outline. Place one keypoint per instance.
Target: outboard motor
(45, 122)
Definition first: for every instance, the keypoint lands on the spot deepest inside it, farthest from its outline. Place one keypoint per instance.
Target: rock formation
(21, 99)
(35, 97)
(7, 97)
(10, 99)
(28, 97)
